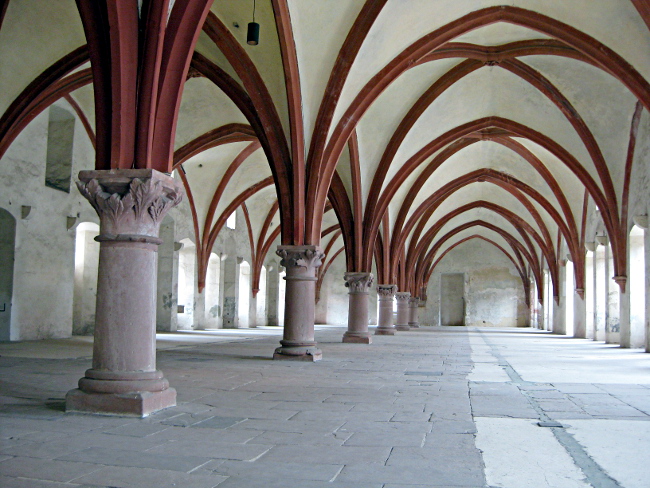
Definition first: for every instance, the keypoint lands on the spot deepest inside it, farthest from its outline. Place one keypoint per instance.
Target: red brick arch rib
(30, 104)
(479, 55)
(340, 201)
(518, 267)
(506, 182)
(511, 128)
(591, 48)
(294, 102)
(239, 96)
(346, 56)
(524, 229)
(426, 270)
(643, 6)
(570, 228)
(270, 129)
(262, 248)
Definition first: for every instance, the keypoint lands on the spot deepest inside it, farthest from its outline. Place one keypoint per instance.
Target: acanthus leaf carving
(137, 211)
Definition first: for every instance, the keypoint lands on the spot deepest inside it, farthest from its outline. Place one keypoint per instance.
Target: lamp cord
(254, 10)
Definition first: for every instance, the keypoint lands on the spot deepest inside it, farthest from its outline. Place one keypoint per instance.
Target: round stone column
(414, 319)
(402, 320)
(301, 263)
(123, 379)
(358, 283)
(386, 295)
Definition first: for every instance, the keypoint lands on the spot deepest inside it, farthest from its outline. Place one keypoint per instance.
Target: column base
(357, 337)
(385, 331)
(138, 404)
(402, 327)
(298, 353)
(414, 325)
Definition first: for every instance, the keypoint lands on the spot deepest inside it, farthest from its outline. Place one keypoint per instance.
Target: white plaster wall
(42, 303)
(494, 293)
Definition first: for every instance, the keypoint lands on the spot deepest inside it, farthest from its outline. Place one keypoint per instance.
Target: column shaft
(385, 295)
(298, 341)
(358, 284)
(414, 319)
(402, 310)
(123, 379)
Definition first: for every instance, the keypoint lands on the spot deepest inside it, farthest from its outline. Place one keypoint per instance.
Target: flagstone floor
(432, 407)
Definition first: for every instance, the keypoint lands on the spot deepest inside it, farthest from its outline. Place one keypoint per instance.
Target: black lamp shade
(253, 37)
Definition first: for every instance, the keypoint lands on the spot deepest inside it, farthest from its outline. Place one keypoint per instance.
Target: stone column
(414, 320)
(386, 295)
(123, 379)
(579, 314)
(358, 283)
(402, 321)
(301, 263)
(559, 312)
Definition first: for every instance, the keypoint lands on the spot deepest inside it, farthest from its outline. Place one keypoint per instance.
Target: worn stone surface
(402, 412)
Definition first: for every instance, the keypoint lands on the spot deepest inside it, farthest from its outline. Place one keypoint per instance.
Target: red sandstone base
(361, 338)
(139, 404)
(298, 354)
(385, 331)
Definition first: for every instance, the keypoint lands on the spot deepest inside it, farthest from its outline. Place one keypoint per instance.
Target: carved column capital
(403, 296)
(386, 292)
(130, 203)
(307, 257)
(414, 301)
(358, 282)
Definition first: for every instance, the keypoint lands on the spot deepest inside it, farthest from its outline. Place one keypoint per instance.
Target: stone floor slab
(119, 457)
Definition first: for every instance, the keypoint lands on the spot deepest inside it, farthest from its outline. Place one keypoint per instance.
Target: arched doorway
(86, 267)
(7, 249)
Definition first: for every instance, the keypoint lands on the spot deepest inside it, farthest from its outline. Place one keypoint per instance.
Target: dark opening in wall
(60, 137)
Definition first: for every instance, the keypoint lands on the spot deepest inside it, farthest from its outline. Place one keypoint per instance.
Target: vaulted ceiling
(423, 124)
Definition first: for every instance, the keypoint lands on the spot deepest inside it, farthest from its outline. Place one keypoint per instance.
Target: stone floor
(434, 407)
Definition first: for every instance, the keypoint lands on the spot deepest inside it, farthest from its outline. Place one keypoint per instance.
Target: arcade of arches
(398, 164)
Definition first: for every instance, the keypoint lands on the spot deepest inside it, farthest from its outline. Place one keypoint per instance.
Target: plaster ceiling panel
(85, 98)
(498, 34)
(468, 233)
(34, 35)
(489, 92)
(209, 49)
(329, 219)
(479, 156)
(603, 102)
(344, 171)
(493, 194)
(253, 170)
(259, 206)
(640, 178)
(204, 107)
(205, 171)
(612, 22)
(568, 182)
(319, 30)
(475, 250)
(383, 117)
(266, 55)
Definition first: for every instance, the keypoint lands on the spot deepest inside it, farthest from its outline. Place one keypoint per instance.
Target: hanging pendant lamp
(253, 36)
